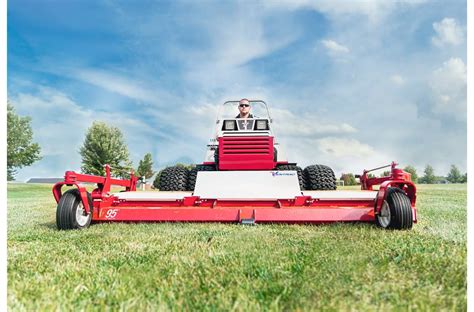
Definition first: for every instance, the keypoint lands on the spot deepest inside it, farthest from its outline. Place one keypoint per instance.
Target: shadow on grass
(49, 225)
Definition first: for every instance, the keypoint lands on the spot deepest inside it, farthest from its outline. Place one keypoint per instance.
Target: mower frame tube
(102, 191)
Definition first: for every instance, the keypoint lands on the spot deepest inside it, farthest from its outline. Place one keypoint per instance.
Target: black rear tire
(193, 174)
(399, 215)
(174, 179)
(319, 177)
(67, 215)
(299, 171)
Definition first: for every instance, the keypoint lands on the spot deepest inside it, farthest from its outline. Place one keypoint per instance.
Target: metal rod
(378, 168)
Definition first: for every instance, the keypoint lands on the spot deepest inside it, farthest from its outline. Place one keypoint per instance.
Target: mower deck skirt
(308, 207)
(287, 215)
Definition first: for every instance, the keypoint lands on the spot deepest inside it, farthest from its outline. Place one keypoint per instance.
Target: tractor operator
(244, 109)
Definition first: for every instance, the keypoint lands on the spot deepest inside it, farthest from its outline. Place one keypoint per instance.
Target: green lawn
(233, 267)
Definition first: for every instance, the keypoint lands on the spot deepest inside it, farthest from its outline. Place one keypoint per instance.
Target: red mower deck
(308, 207)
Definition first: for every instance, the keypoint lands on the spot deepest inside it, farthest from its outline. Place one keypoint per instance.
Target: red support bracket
(303, 200)
(103, 186)
(57, 192)
(407, 186)
(191, 201)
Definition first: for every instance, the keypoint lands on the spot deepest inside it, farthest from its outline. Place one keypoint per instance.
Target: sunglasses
(244, 105)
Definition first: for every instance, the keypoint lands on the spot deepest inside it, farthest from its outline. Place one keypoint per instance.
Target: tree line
(429, 177)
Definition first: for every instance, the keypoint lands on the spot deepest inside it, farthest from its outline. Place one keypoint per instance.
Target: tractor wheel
(396, 212)
(174, 179)
(299, 171)
(193, 174)
(70, 211)
(319, 177)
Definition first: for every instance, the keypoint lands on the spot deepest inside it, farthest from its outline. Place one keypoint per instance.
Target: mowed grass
(176, 266)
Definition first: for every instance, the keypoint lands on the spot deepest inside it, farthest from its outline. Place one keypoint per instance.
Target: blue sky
(351, 84)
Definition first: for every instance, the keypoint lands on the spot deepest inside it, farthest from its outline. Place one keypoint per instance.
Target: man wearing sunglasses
(244, 109)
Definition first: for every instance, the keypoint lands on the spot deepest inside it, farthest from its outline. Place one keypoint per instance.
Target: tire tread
(400, 209)
(319, 177)
(174, 179)
(65, 211)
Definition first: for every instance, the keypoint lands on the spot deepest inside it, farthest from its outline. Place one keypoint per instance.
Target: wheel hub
(384, 215)
(81, 217)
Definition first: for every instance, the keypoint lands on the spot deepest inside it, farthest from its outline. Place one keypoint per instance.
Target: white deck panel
(247, 185)
(349, 195)
(152, 196)
(250, 195)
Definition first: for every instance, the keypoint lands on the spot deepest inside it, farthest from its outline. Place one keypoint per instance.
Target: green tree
(104, 145)
(349, 179)
(145, 167)
(411, 170)
(21, 151)
(454, 175)
(429, 177)
(464, 178)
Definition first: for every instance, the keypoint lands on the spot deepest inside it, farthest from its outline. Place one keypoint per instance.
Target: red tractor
(244, 178)
(246, 145)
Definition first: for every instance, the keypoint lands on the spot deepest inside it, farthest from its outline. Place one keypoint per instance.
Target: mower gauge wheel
(70, 213)
(396, 212)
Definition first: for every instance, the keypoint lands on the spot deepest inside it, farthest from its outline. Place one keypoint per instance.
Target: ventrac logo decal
(279, 173)
(111, 213)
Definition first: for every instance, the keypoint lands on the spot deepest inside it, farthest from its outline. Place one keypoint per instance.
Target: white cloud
(342, 154)
(306, 125)
(334, 48)
(449, 87)
(54, 113)
(375, 10)
(397, 79)
(342, 147)
(448, 32)
(117, 83)
(204, 110)
(239, 43)
(242, 39)
(59, 125)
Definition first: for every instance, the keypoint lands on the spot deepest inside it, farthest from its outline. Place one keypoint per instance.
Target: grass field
(160, 266)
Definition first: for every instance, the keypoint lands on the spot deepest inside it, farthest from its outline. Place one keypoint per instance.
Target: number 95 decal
(111, 213)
